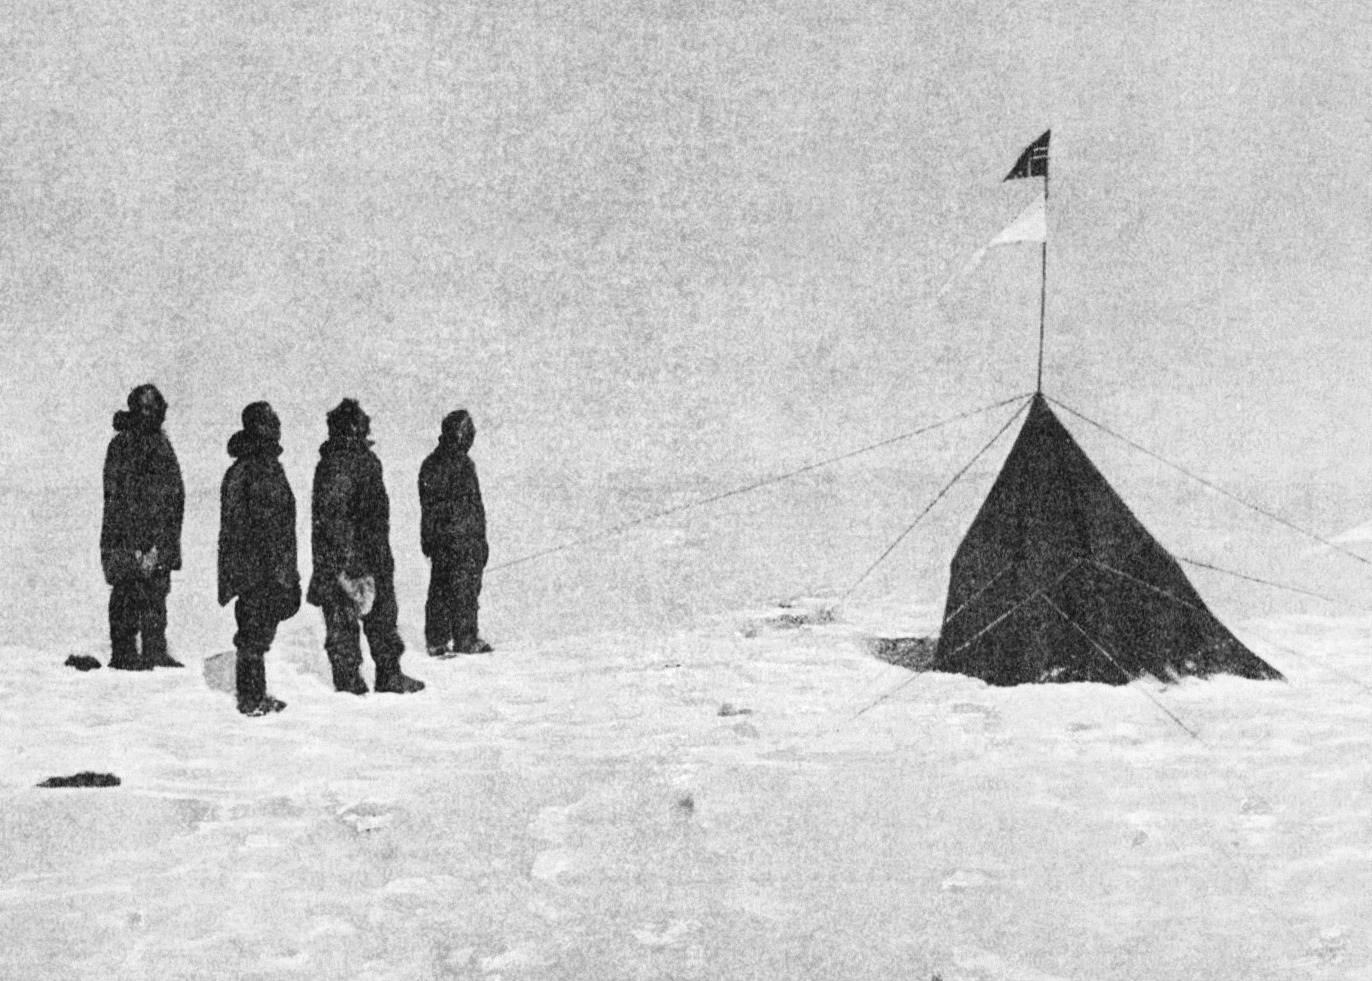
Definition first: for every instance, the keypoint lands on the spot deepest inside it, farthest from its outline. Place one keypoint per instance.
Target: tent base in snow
(1057, 581)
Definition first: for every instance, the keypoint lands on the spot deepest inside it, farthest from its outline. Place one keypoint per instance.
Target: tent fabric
(1057, 581)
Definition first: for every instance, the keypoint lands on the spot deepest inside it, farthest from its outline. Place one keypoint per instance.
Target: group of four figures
(353, 580)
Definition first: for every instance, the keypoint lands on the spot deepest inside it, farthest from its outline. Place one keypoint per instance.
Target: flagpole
(1043, 284)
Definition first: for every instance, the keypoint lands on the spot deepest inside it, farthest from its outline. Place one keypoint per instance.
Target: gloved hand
(361, 591)
(289, 599)
(147, 561)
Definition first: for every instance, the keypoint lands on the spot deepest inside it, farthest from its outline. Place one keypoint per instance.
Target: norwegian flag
(1033, 162)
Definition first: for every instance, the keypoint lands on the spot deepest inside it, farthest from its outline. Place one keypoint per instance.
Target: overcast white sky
(686, 241)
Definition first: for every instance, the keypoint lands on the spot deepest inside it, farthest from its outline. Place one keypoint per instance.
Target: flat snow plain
(758, 797)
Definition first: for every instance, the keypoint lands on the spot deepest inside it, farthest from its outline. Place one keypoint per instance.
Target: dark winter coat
(256, 520)
(350, 520)
(452, 517)
(145, 500)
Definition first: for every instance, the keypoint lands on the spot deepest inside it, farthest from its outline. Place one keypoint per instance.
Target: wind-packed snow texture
(581, 809)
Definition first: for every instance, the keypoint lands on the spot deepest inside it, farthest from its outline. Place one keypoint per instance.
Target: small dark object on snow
(83, 779)
(914, 653)
(82, 662)
(687, 803)
(728, 709)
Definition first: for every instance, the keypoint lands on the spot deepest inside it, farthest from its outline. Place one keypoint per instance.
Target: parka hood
(244, 443)
(131, 422)
(453, 443)
(457, 432)
(348, 443)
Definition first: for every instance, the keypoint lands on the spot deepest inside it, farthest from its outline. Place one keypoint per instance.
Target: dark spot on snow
(686, 803)
(913, 653)
(83, 779)
(728, 709)
(82, 662)
(790, 616)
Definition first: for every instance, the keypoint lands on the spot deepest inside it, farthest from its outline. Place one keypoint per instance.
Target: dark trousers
(138, 607)
(258, 612)
(450, 612)
(343, 628)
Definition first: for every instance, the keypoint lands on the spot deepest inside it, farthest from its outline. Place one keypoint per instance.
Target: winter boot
(440, 651)
(347, 679)
(124, 654)
(472, 645)
(122, 661)
(389, 678)
(253, 699)
(163, 660)
(155, 652)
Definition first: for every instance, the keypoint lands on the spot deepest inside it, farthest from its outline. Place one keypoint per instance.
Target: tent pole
(1043, 284)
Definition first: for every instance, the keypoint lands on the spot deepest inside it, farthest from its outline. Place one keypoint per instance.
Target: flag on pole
(1030, 226)
(1033, 162)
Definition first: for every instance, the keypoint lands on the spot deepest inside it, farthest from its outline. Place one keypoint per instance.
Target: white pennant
(1030, 226)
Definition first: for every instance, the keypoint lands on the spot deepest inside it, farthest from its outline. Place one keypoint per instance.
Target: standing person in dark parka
(354, 571)
(452, 533)
(140, 532)
(257, 561)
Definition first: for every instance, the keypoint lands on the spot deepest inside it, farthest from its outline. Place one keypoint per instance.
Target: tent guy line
(1111, 658)
(1275, 585)
(991, 626)
(1042, 594)
(1210, 484)
(1351, 679)
(971, 600)
(625, 526)
(937, 497)
(756, 485)
(1214, 839)
(1049, 509)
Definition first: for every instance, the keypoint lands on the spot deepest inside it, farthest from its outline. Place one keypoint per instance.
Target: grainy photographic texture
(701, 273)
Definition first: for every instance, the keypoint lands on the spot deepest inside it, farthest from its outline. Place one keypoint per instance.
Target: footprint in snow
(674, 932)
(367, 816)
(553, 863)
(964, 879)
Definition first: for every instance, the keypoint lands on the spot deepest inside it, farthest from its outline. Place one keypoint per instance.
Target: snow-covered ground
(661, 251)
(712, 803)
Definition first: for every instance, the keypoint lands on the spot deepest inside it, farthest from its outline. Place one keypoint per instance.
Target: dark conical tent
(1058, 581)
